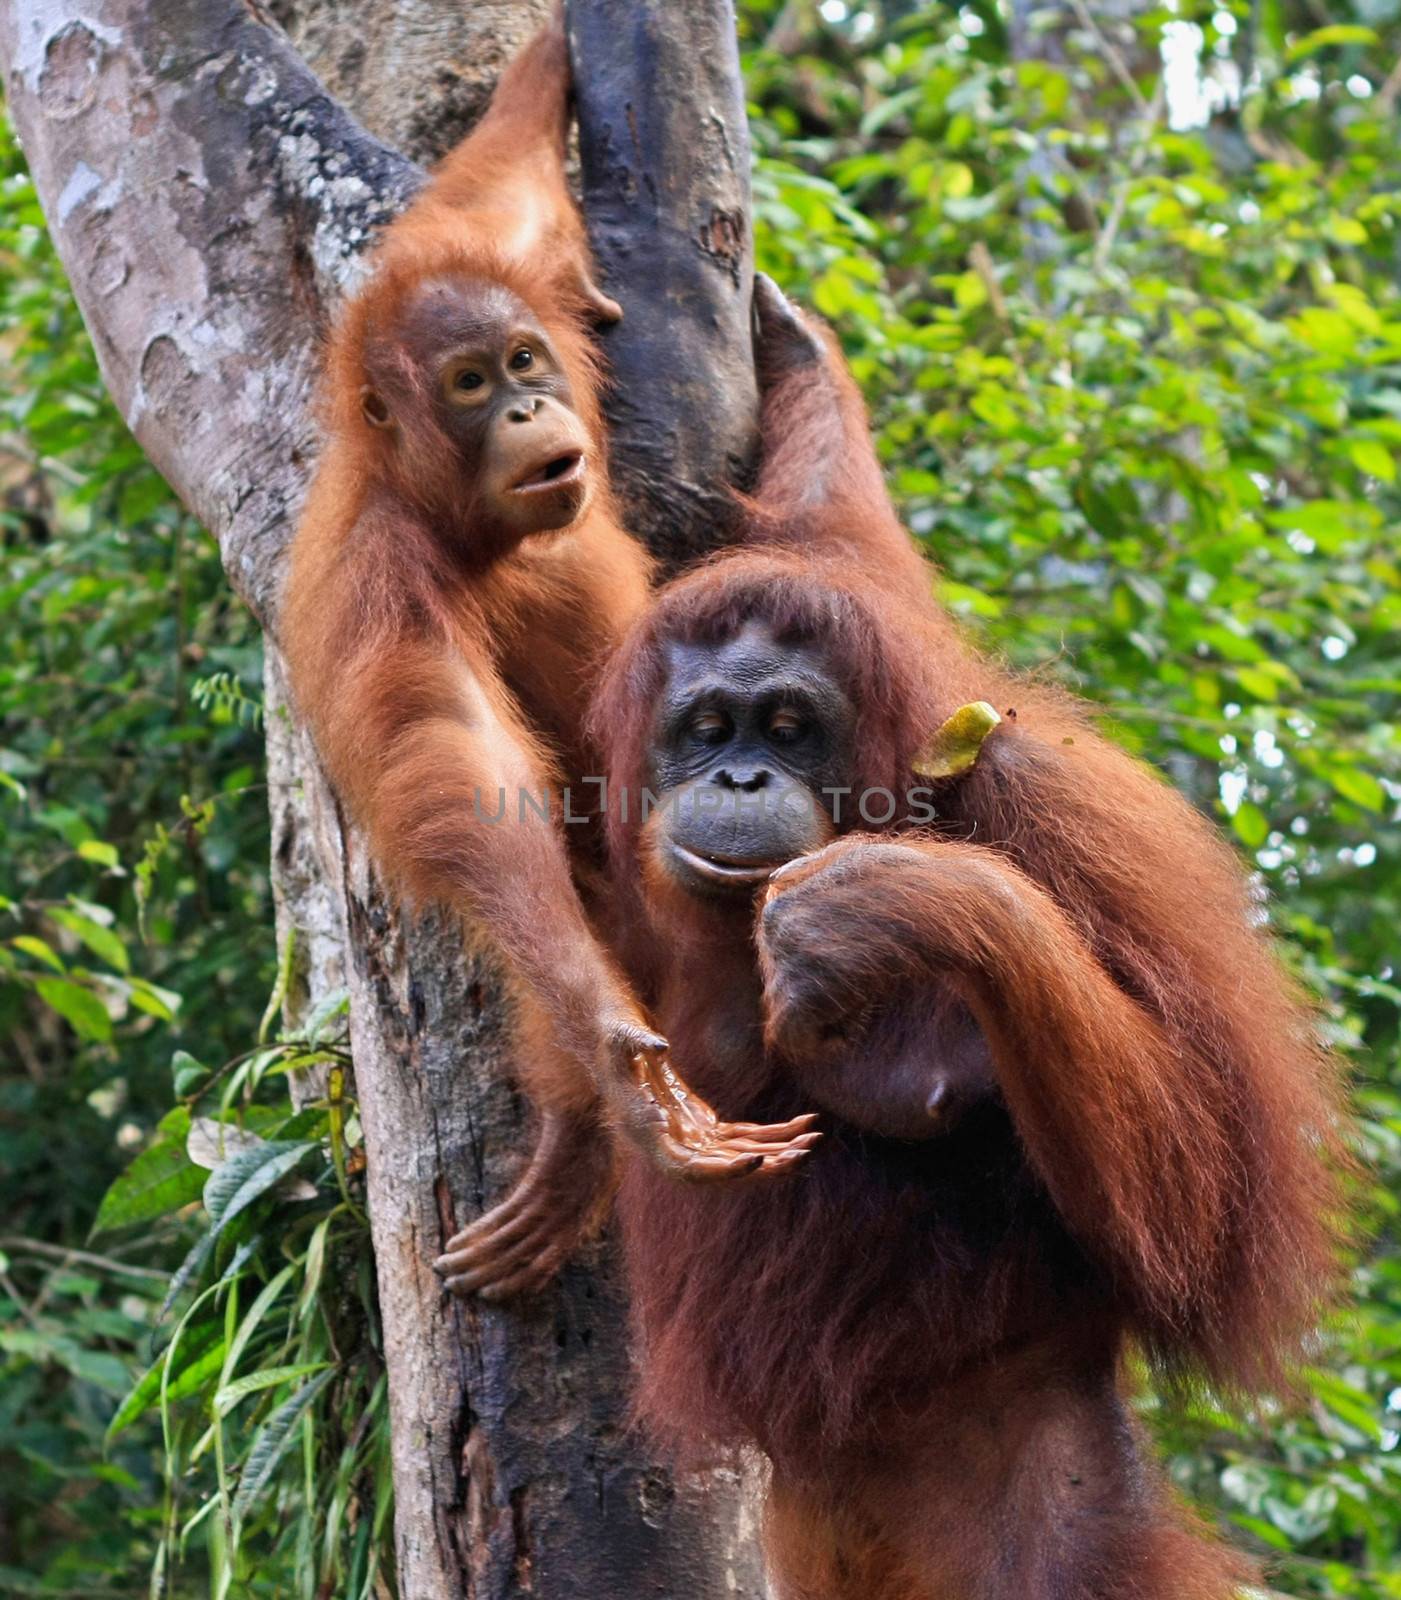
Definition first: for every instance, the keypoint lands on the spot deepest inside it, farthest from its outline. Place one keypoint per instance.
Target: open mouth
(724, 869)
(556, 473)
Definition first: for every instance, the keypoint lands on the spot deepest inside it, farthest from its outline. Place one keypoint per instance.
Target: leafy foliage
(116, 791)
(1133, 346)
(269, 1389)
(1138, 383)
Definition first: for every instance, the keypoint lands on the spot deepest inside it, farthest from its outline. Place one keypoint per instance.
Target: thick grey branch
(206, 196)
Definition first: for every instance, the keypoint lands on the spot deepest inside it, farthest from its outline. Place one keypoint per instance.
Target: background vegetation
(1122, 287)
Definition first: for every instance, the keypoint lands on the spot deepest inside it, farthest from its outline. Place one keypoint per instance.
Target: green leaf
(1229, 644)
(992, 405)
(1358, 786)
(228, 1397)
(963, 597)
(79, 1007)
(1262, 1530)
(154, 1001)
(229, 1191)
(234, 1187)
(160, 1180)
(202, 1351)
(888, 108)
(96, 1367)
(144, 493)
(186, 1073)
(313, 1267)
(1373, 457)
(105, 855)
(103, 943)
(1250, 824)
(248, 1326)
(37, 948)
(1336, 33)
(1258, 683)
(195, 1258)
(1354, 1406)
(272, 1440)
(328, 1017)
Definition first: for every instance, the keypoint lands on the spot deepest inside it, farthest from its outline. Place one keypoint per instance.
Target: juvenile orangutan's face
(477, 356)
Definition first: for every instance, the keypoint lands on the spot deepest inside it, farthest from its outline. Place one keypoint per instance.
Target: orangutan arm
(820, 485)
(1169, 1149)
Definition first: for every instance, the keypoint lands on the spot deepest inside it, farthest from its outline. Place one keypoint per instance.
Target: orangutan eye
(522, 360)
(785, 726)
(465, 386)
(711, 727)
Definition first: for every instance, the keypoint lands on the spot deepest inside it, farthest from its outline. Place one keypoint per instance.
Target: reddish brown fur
(926, 1338)
(432, 667)
(442, 645)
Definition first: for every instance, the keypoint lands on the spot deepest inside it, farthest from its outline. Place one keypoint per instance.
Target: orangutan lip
(719, 870)
(562, 469)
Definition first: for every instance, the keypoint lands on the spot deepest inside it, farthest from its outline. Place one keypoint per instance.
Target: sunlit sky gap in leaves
(1192, 93)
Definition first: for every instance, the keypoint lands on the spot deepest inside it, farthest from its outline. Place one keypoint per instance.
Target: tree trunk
(211, 201)
(666, 191)
(417, 73)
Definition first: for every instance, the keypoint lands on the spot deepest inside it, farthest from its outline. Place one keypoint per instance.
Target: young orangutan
(1073, 1106)
(457, 575)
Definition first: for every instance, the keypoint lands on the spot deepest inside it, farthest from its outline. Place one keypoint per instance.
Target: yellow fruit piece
(954, 747)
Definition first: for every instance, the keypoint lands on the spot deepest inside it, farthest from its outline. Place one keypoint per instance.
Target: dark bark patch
(655, 1493)
(524, 1565)
(165, 373)
(483, 1508)
(107, 266)
(447, 1217)
(144, 115)
(68, 78)
(723, 239)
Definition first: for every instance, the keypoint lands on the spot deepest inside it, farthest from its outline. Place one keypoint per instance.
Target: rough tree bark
(417, 73)
(211, 202)
(666, 189)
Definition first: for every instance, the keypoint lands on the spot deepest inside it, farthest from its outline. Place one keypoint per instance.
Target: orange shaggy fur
(927, 1339)
(434, 672)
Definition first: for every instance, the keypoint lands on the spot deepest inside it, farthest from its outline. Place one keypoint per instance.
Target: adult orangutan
(1072, 1104)
(457, 574)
